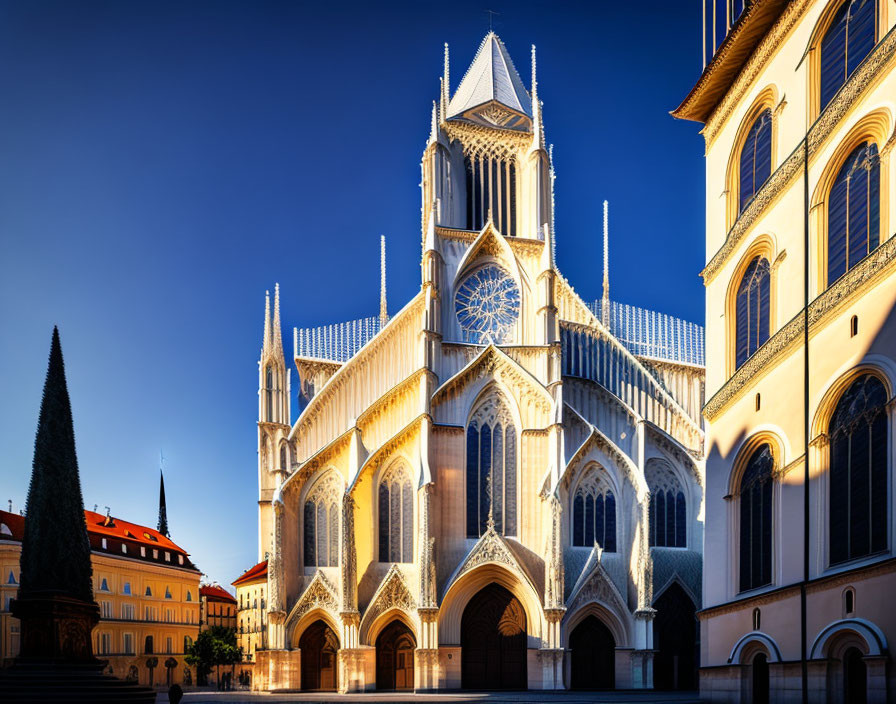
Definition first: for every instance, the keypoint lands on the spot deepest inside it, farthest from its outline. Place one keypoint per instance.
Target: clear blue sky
(163, 163)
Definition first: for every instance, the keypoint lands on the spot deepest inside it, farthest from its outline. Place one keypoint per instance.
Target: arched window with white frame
(396, 515)
(320, 525)
(594, 511)
(491, 469)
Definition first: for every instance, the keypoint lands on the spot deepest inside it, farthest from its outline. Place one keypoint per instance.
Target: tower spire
(434, 124)
(277, 333)
(446, 86)
(605, 303)
(163, 512)
(266, 341)
(536, 108)
(384, 313)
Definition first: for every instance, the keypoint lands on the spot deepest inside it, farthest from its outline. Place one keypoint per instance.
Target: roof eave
(729, 60)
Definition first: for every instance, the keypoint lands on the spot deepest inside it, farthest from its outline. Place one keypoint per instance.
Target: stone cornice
(526, 245)
(855, 281)
(872, 68)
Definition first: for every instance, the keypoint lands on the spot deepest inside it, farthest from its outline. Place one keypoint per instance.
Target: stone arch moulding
(745, 451)
(392, 599)
(758, 637)
(610, 455)
(463, 588)
(875, 365)
(318, 601)
(490, 245)
(595, 593)
(876, 127)
(613, 621)
(676, 579)
(873, 636)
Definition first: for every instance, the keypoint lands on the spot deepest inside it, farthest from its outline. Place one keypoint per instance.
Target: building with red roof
(217, 607)
(147, 589)
(251, 620)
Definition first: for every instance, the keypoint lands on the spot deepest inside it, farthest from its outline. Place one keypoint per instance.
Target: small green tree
(213, 648)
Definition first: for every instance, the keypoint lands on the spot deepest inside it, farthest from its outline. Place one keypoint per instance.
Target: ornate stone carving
(790, 336)
(479, 141)
(427, 544)
(349, 556)
(598, 587)
(393, 593)
(320, 594)
(275, 567)
(553, 596)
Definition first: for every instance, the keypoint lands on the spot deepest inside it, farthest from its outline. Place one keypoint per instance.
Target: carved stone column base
(551, 668)
(426, 666)
(357, 669)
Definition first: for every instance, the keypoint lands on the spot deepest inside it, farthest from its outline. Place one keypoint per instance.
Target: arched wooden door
(395, 657)
(319, 645)
(493, 641)
(675, 639)
(593, 655)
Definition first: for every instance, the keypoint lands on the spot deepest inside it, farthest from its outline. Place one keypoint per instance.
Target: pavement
(530, 697)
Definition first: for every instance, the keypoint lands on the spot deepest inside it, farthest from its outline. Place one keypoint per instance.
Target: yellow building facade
(147, 591)
(217, 607)
(251, 632)
(798, 106)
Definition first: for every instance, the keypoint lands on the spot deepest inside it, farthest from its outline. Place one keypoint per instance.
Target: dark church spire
(55, 548)
(163, 514)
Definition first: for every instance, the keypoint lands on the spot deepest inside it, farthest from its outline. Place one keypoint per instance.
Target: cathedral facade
(496, 487)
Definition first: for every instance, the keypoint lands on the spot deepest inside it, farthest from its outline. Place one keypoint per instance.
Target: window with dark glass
(756, 520)
(858, 446)
(854, 211)
(755, 158)
(668, 511)
(283, 457)
(269, 393)
(491, 470)
(320, 528)
(396, 517)
(594, 513)
(848, 40)
(491, 190)
(751, 311)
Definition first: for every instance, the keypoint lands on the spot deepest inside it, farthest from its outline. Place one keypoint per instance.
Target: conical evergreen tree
(55, 549)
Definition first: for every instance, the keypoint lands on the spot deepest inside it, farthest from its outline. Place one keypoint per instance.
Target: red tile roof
(210, 591)
(260, 571)
(117, 532)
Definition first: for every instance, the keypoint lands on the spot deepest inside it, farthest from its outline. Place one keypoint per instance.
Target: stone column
(276, 608)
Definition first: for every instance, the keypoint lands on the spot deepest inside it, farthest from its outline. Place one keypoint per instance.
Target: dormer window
(104, 544)
(142, 551)
(167, 556)
(4, 529)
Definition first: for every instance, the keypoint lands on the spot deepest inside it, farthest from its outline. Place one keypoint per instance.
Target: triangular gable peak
(597, 440)
(320, 594)
(490, 243)
(491, 92)
(595, 585)
(393, 593)
(490, 549)
(494, 363)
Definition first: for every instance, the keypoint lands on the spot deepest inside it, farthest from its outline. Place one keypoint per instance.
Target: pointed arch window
(594, 512)
(491, 470)
(668, 510)
(858, 476)
(854, 211)
(755, 158)
(491, 189)
(396, 516)
(269, 393)
(756, 520)
(752, 309)
(848, 40)
(283, 464)
(321, 523)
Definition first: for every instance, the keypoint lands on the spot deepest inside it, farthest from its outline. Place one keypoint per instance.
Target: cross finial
(491, 16)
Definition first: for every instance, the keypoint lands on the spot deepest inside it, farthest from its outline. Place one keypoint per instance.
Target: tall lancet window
(849, 39)
(320, 526)
(283, 462)
(854, 211)
(756, 520)
(858, 436)
(396, 516)
(594, 511)
(491, 469)
(755, 158)
(491, 187)
(269, 393)
(752, 309)
(668, 510)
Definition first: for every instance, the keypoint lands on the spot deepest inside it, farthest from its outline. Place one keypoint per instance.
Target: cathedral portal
(493, 641)
(319, 645)
(593, 655)
(395, 657)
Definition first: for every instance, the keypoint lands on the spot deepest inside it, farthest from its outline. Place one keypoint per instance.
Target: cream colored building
(217, 607)
(251, 632)
(465, 498)
(147, 591)
(798, 104)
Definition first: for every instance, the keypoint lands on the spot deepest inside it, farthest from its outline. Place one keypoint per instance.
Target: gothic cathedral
(501, 485)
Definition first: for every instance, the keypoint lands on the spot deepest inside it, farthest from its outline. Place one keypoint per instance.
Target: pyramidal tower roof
(490, 78)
